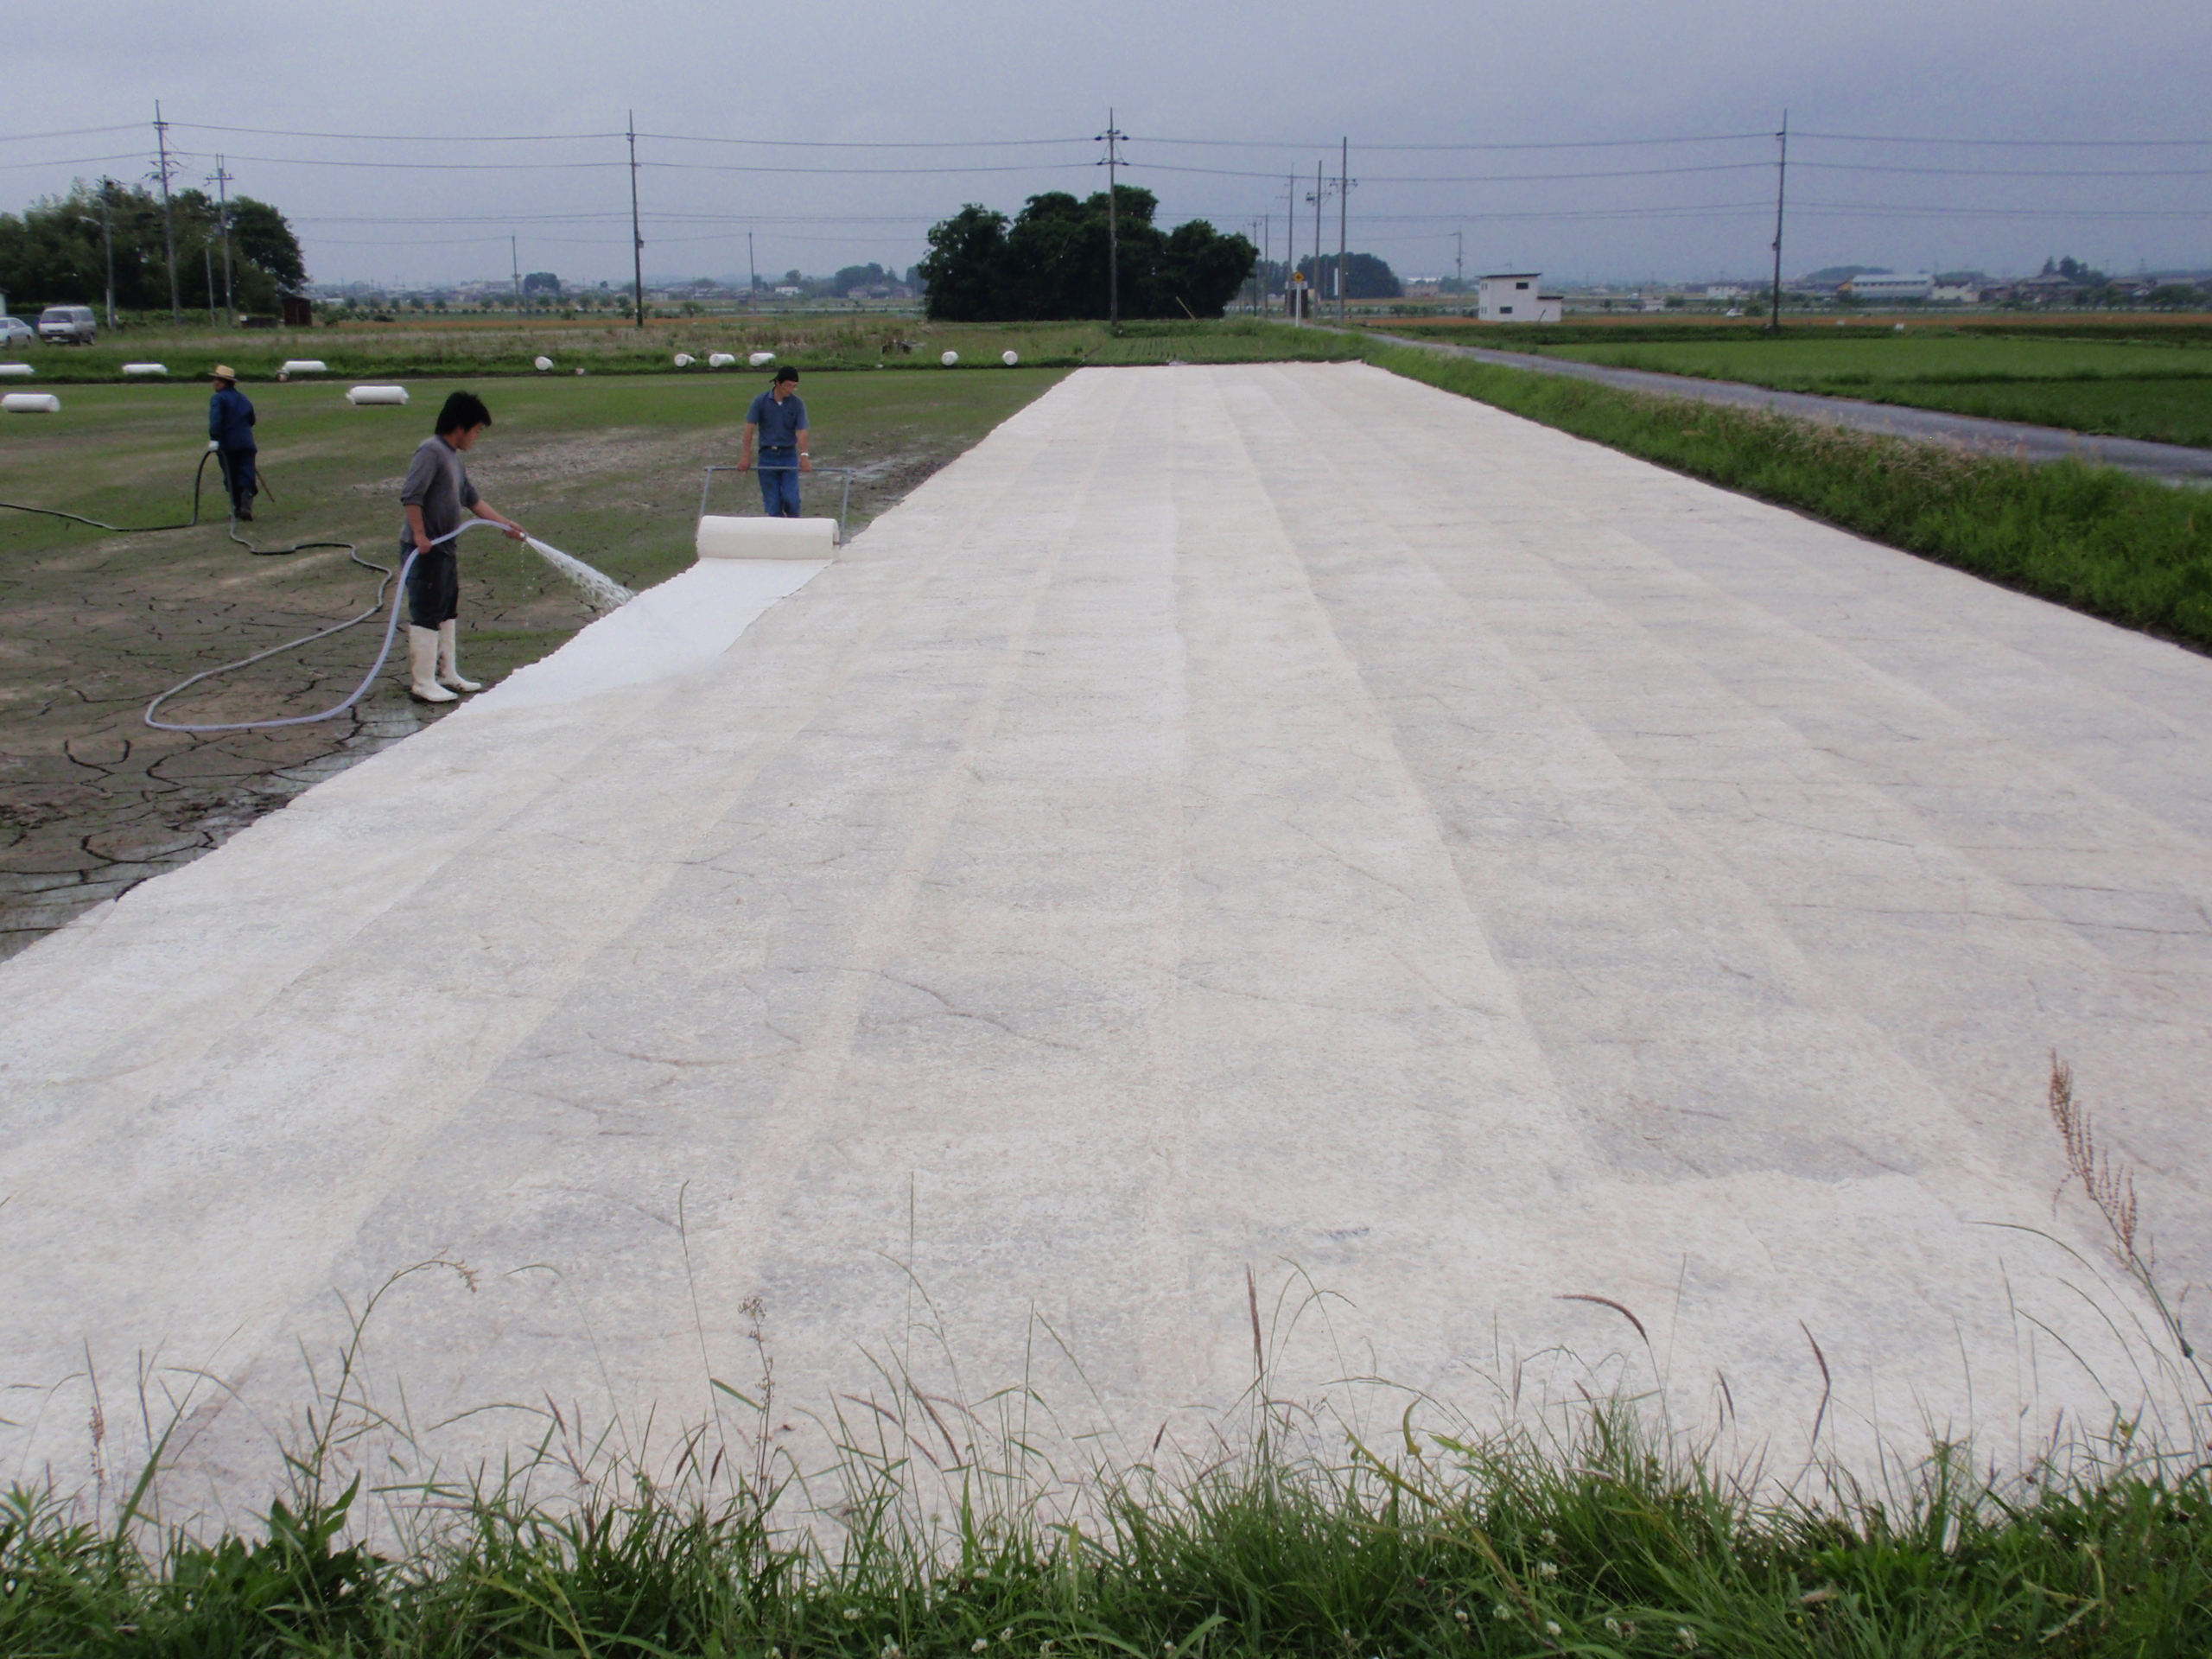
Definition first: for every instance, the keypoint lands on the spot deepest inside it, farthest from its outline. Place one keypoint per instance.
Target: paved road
(2172, 462)
(1281, 817)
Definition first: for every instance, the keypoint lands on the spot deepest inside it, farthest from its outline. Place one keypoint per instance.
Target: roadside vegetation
(2131, 550)
(2152, 381)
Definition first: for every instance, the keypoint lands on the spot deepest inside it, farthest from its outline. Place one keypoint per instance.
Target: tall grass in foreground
(1598, 1543)
(2123, 548)
(943, 1530)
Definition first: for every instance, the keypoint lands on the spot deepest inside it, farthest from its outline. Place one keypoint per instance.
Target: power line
(66, 132)
(1575, 143)
(1484, 178)
(2017, 143)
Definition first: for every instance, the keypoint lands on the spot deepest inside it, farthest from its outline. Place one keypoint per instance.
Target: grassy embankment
(2151, 381)
(428, 346)
(2118, 547)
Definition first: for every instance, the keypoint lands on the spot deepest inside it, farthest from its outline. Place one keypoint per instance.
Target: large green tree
(51, 253)
(1050, 262)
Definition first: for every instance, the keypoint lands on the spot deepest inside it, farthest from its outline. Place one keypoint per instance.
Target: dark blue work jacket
(230, 419)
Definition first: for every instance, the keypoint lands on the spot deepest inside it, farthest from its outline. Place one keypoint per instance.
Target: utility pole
(637, 240)
(1459, 259)
(107, 239)
(514, 260)
(1267, 252)
(222, 182)
(208, 255)
(752, 271)
(1343, 207)
(1321, 194)
(1781, 180)
(1290, 249)
(1111, 138)
(168, 220)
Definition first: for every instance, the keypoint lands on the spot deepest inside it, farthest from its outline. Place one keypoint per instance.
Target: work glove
(212, 445)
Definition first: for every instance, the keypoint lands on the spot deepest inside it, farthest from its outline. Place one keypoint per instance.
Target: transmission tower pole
(637, 237)
(222, 183)
(1780, 180)
(168, 220)
(1112, 137)
(1343, 208)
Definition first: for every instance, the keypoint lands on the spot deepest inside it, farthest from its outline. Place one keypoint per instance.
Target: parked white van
(68, 325)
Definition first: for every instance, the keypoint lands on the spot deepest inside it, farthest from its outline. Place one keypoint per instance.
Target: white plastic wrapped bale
(761, 359)
(542, 364)
(301, 366)
(1009, 358)
(766, 538)
(949, 358)
(722, 359)
(685, 360)
(31, 402)
(135, 369)
(17, 371)
(361, 395)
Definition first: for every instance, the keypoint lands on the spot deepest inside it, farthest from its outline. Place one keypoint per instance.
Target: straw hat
(225, 371)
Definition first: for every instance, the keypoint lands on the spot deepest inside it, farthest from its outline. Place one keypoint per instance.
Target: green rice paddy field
(2137, 387)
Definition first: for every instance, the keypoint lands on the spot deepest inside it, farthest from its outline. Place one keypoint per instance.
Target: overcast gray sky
(1273, 86)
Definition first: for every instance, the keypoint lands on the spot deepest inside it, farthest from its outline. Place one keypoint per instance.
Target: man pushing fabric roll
(777, 419)
(436, 493)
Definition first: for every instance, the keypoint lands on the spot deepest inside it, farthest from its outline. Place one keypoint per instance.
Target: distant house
(1724, 291)
(790, 290)
(2046, 289)
(1517, 297)
(1889, 285)
(1955, 294)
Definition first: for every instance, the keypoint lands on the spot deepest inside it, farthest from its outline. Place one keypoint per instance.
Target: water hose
(604, 591)
(599, 587)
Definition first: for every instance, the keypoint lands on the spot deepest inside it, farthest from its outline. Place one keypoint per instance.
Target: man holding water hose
(435, 494)
(230, 435)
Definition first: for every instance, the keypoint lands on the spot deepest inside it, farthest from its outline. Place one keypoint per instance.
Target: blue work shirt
(230, 419)
(779, 423)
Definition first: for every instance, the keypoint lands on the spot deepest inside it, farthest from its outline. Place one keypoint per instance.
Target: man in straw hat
(230, 435)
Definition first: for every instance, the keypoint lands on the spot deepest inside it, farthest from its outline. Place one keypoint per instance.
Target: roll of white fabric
(766, 538)
(31, 402)
(377, 394)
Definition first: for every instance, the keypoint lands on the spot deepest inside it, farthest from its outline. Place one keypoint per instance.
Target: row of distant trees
(1050, 262)
(53, 253)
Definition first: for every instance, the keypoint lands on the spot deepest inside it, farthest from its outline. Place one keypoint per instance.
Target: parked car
(13, 331)
(68, 325)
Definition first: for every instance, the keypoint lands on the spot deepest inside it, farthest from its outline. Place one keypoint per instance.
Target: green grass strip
(2128, 550)
(1510, 1546)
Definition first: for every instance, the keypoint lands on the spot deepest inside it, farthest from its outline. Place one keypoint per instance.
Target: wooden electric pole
(1781, 181)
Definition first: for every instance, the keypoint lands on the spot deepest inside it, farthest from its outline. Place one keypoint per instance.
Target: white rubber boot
(449, 659)
(422, 658)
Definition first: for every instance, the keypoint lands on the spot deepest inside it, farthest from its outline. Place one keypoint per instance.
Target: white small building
(1889, 285)
(1955, 294)
(1517, 297)
(1724, 291)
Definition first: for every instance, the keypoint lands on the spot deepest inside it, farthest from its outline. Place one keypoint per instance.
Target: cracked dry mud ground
(93, 626)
